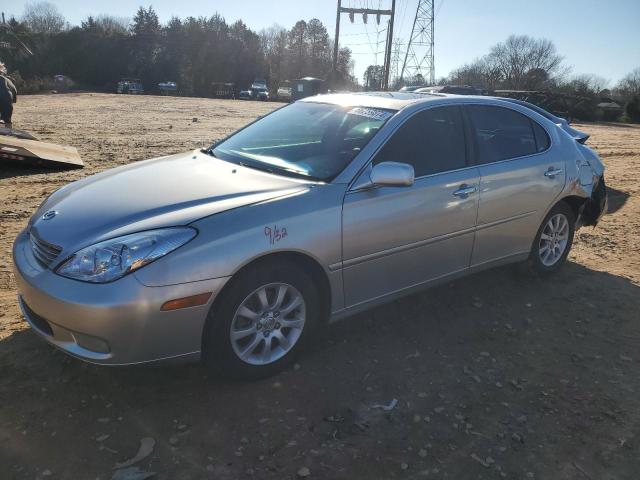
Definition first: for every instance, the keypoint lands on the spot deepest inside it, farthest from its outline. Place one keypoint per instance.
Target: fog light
(89, 342)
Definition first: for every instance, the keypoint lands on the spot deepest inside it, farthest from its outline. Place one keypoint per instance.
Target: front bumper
(118, 323)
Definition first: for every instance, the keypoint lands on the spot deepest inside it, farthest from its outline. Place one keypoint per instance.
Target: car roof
(400, 100)
(387, 100)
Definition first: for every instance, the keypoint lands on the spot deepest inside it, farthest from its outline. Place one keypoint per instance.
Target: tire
(556, 234)
(241, 308)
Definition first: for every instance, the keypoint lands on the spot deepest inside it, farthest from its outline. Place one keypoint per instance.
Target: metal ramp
(18, 147)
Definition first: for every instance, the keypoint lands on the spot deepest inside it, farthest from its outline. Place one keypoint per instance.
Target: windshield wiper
(257, 167)
(287, 172)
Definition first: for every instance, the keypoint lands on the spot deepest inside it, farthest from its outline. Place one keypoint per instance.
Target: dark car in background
(254, 93)
(131, 86)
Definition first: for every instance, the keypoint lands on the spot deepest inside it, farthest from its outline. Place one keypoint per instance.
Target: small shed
(608, 109)
(307, 87)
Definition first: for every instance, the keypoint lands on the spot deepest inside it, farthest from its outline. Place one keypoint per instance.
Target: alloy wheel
(554, 239)
(268, 323)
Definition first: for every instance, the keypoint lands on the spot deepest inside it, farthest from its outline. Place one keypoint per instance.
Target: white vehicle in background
(259, 83)
(167, 87)
(284, 94)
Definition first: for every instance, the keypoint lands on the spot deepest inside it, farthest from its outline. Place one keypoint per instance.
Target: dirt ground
(496, 376)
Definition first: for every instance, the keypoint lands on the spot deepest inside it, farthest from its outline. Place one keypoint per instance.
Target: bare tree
(525, 62)
(273, 41)
(587, 84)
(43, 17)
(107, 24)
(629, 86)
(519, 63)
(480, 73)
(112, 24)
(373, 76)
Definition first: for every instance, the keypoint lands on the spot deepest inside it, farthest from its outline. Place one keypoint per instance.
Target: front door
(398, 237)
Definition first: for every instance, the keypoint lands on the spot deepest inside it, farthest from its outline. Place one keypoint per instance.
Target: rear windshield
(315, 140)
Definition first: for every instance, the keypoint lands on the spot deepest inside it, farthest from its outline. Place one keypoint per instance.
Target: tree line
(194, 52)
(198, 52)
(525, 63)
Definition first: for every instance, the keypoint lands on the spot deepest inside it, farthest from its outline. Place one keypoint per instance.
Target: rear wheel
(261, 322)
(553, 240)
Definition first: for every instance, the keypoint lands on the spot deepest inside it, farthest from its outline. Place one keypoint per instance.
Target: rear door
(519, 180)
(398, 237)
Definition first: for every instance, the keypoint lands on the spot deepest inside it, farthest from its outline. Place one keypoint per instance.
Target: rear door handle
(465, 190)
(552, 172)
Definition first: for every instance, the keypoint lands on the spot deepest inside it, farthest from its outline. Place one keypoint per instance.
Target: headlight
(109, 260)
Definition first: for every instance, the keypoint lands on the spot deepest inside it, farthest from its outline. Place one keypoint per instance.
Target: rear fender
(595, 206)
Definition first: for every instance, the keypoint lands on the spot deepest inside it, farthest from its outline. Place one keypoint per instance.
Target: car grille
(44, 252)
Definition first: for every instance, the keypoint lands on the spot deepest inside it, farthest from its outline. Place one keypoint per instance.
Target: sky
(599, 37)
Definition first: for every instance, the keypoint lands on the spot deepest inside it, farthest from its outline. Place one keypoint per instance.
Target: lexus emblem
(49, 215)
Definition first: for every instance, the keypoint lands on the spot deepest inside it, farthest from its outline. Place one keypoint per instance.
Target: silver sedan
(242, 252)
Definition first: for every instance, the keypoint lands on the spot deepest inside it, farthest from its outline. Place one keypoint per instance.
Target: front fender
(308, 222)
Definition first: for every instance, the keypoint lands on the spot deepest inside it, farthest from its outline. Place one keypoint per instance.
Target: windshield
(315, 140)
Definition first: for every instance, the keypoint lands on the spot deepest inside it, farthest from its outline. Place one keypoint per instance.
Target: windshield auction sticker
(373, 113)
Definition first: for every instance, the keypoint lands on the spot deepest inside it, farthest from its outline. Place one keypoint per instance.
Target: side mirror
(392, 174)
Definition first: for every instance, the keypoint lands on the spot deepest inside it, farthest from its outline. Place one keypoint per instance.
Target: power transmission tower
(365, 12)
(418, 59)
(395, 59)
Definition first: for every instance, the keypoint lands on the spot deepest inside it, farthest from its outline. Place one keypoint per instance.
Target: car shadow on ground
(479, 351)
(434, 310)
(615, 199)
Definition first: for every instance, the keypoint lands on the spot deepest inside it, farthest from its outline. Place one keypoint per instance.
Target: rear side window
(501, 133)
(542, 138)
(432, 141)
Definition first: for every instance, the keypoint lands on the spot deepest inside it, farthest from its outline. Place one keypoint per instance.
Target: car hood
(167, 191)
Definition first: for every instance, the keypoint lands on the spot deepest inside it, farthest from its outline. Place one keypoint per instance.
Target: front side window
(314, 140)
(501, 133)
(432, 141)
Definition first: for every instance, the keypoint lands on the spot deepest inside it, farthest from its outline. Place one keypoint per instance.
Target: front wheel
(553, 240)
(261, 322)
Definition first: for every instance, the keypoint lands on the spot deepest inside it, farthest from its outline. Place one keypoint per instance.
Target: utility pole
(387, 64)
(419, 58)
(365, 12)
(335, 43)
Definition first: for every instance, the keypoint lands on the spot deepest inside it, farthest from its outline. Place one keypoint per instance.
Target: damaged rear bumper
(596, 206)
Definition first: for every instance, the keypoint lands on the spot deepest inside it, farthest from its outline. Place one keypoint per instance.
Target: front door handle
(552, 172)
(465, 190)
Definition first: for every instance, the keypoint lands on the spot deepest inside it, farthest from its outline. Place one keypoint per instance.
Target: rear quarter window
(501, 133)
(542, 137)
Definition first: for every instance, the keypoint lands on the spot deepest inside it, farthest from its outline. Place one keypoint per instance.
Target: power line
(374, 46)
